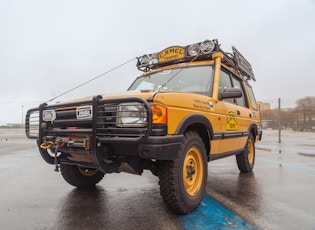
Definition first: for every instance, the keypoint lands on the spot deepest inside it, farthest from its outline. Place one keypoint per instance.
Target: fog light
(49, 115)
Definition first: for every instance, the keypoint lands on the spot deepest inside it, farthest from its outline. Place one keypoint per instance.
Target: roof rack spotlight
(145, 60)
(155, 58)
(193, 50)
(207, 46)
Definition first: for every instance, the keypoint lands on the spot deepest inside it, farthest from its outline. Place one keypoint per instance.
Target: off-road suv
(191, 105)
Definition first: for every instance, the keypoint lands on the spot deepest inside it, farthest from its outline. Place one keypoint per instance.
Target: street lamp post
(22, 115)
(279, 119)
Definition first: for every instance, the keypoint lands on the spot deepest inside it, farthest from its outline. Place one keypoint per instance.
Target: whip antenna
(70, 90)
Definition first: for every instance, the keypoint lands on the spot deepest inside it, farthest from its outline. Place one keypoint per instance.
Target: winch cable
(58, 144)
(84, 83)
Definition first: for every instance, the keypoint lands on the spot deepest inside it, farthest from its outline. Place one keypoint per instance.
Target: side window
(252, 97)
(237, 84)
(227, 81)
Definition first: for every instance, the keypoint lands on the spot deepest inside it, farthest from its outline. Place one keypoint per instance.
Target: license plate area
(84, 112)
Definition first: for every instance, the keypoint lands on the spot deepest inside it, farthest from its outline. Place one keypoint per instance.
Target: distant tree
(287, 119)
(269, 118)
(306, 107)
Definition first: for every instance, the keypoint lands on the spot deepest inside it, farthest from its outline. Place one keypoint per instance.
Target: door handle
(238, 112)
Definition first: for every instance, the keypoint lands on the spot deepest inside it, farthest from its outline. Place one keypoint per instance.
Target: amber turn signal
(159, 114)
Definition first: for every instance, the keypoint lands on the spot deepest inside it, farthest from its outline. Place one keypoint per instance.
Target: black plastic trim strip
(223, 155)
(229, 135)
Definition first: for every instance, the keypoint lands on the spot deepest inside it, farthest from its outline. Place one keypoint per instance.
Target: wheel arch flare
(199, 124)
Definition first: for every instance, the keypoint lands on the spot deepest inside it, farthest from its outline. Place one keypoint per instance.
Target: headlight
(49, 115)
(131, 115)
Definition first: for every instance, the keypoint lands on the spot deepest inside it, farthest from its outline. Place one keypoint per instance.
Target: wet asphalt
(279, 194)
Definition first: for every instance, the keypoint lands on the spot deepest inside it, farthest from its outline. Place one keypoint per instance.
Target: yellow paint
(181, 105)
(215, 147)
(193, 161)
(229, 145)
(217, 69)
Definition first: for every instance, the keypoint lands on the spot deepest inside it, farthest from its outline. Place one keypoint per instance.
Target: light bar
(175, 54)
(195, 52)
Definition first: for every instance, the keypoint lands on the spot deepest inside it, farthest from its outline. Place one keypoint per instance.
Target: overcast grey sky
(48, 47)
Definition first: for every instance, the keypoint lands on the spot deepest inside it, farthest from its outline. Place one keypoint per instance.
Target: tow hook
(58, 143)
(55, 143)
(46, 144)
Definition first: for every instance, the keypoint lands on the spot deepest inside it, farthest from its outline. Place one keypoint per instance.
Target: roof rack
(196, 52)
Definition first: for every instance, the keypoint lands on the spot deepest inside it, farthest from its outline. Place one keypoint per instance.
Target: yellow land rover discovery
(191, 105)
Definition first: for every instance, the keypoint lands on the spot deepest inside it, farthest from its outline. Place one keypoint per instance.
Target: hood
(173, 99)
(145, 94)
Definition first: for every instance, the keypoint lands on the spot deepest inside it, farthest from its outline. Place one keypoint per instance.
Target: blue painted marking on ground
(212, 215)
(286, 164)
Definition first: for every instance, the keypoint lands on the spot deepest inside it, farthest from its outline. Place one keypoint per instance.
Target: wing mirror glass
(230, 93)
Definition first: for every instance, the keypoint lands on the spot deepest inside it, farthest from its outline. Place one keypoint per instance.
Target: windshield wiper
(150, 98)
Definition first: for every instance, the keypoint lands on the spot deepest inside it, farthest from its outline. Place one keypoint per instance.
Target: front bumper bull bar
(102, 129)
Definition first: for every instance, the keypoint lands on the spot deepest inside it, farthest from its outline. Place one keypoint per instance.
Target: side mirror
(230, 93)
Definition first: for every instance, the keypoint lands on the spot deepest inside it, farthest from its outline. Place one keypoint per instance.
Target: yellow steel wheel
(246, 159)
(87, 171)
(193, 171)
(251, 151)
(183, 180)
(81, 177)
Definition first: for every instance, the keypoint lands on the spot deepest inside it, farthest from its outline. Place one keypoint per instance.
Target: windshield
(195, 79)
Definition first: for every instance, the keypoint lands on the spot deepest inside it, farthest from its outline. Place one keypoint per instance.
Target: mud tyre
(246, 159)
(183, 180)
(81, 177)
